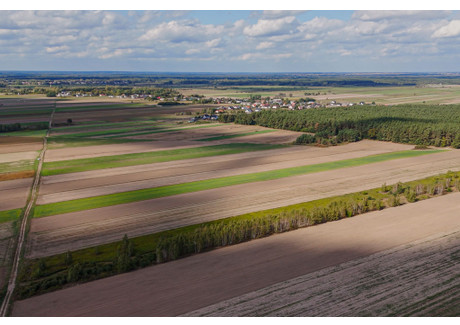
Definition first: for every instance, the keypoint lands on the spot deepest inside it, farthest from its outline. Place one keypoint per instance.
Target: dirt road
(195, 282)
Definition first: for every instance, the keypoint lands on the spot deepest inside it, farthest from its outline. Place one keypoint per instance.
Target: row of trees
(37, 277)
(23, 126)
(434, 125)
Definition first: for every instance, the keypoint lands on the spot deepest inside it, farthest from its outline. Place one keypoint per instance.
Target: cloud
(376, 15)
(449, 30)
(181, 31)
(266, 27)
(264, 45)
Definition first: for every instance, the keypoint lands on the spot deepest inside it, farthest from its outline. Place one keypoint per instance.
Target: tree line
(434, 125)
(38, 277)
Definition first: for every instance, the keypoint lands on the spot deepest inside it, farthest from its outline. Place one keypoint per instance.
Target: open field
(417, 279)
(6, 242)
(430, 94)
(144, 191)
(14, 193)
(189, 284)
(112, 180)
(59, 233)
(142, 158)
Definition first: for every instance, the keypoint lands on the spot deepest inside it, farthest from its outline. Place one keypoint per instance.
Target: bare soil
(59, 233)
(417, 279)
(14, 193)
(195, 282)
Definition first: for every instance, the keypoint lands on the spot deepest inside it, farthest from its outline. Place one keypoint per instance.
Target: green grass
(10, 215)
(63, 142)
(169, 190)
(230, 136)
(79, 165)
(17, 166)
(165, 130)
(27, 133)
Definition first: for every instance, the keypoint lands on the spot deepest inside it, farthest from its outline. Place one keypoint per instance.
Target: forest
(434, 125)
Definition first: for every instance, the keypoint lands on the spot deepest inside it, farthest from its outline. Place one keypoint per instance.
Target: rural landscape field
(229, 194)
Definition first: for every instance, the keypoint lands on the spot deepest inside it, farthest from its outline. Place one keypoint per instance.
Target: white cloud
(264, 45)
(265, 27)
(399, 14)
(449, 30)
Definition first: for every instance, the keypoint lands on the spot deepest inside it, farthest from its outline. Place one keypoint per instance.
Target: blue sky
(231, 41)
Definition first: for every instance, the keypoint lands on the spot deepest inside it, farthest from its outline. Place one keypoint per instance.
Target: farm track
(192, 283)
(71, 231)
(23, 225)
(417, 279)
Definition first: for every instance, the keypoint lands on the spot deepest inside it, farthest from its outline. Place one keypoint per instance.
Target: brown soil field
(198, 281)
(14, 193)
(71, 231)
(123, 114)
(19, 144)
(113, 180)
(418, 279)
(16, 175)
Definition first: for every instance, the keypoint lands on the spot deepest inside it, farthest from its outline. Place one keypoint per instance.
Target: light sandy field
(14, 193)
(59, 233)
(114, 180)
(198, 281)
(417, 279)
(15, 156)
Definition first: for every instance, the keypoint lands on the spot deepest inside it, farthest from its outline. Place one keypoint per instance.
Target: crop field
(119, 168)
(68, 231)
(428, 94)
(313, 253)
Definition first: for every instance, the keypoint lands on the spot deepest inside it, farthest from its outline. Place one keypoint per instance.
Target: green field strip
(169, 190)
(64, 142)
(79, 165)
(100, 107)
(230, 136)
(17, 166)
(26, 133)
(164, 130)
(102, 124)
(107, 132)
(10, 215)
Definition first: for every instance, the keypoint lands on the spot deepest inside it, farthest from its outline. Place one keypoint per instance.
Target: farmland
(119, 173)
(188, 284)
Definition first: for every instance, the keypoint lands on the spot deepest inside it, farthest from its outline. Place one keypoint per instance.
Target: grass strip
(70, 142)
(52, 272)
(165, 130)
(79, 165)
(230, 136)
(10, 215)
(169, 190)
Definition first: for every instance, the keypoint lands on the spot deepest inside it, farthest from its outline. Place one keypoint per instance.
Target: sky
(231, 40)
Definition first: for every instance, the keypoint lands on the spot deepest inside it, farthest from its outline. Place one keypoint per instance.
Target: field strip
(170, 190)
(14, 193)
(198, 281)
(231, 136)
(162, 131)
(10, 215)
(59, 233)
(390, 283)
(67, 187)
(85, 164)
